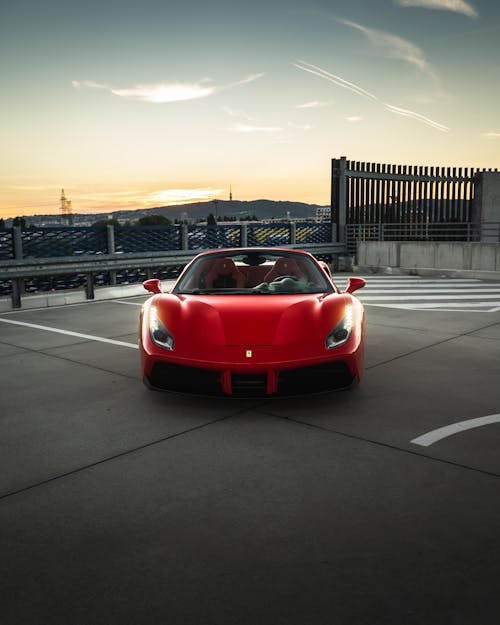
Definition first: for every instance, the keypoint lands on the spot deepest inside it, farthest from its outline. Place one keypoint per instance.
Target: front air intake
(249, 385)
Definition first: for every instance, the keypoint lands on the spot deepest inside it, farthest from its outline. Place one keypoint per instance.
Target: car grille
(244, 385)
(169, 377)
(318, 378)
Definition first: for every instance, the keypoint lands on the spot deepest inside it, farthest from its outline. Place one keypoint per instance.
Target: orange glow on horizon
(38, 200)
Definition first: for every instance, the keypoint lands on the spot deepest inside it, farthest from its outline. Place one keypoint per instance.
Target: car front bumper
(260, 371)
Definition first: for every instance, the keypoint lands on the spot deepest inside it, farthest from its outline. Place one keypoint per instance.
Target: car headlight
(159, 333)
(342, 331)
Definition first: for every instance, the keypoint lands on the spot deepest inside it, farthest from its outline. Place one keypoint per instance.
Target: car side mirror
(153, 285)
(354, 284)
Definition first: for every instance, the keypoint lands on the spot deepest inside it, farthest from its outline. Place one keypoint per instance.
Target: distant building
(323, 213)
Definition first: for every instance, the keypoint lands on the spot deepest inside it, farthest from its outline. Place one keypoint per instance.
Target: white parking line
(460, 307)
(449, 430)
(458, 296)
(89, 337)
(437, 289)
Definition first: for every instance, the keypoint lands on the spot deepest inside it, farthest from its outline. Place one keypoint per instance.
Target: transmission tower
(66, 208)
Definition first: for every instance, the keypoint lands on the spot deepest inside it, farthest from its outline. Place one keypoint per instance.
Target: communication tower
(66, 210)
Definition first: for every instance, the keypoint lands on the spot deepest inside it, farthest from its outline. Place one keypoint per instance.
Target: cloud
(163, 93)
(248, 128)
(350, 86)
(337, 80)
(314, 104)
(491, 134)
(44, 187)
(354, 118)
(244, 81)
(240, 113)
(417, 116)
(393, 46)
(300, 126)
(457, 6)
(171, 197)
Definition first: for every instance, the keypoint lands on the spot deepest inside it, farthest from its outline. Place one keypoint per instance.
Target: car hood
(250, 319)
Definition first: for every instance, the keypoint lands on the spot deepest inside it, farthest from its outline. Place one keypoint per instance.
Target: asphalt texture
(119, 505)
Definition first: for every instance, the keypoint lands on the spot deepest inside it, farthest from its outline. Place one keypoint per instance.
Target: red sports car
(252, 322)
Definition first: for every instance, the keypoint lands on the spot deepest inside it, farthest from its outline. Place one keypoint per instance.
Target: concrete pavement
(120, 505)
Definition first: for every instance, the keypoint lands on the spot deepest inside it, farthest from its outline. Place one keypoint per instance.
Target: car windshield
(254, 272)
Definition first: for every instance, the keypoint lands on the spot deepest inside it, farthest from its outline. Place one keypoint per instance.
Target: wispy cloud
(40, 187)
(171, 197)
(249, 128)
(239, 113)
(243, 81)
(393, 46)
(354, 118)
(417, 116)
(350, 86)
(337, 80)
(146, 198)
(248, 124)
(314, 104)
(300, 126)
(457, 6)
(491, 134)
(163, 93)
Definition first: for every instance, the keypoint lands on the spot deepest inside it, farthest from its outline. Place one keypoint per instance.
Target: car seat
(224, 274)
(285, 267)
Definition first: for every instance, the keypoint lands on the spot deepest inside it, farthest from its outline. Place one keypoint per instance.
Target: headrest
(223, 266)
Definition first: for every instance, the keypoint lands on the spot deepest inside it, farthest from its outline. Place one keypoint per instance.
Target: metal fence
(385, 193)
(49, 242)
(413, 196)
(452, 231)
(142, 251)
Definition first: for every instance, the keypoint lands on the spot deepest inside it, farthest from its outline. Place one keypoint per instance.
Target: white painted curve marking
(455, 428)
(90, 337)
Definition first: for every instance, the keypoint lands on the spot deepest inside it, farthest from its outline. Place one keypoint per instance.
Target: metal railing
(450, 231)
(49, 259)
(49, 242)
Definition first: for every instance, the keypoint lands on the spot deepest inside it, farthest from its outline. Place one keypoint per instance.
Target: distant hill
(262, 209)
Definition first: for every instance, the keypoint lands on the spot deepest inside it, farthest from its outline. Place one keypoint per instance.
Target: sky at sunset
(137, 104)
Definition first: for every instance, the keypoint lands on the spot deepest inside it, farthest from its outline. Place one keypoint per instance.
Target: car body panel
(247, 333)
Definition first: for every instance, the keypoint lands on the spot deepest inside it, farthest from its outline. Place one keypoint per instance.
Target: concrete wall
(486, 210)
(414, 256)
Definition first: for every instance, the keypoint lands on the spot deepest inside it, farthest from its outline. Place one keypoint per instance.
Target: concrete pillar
(110, 231)
(338, 196)
(17, 237)
(184, 237)
(486, 212)
(244, 235)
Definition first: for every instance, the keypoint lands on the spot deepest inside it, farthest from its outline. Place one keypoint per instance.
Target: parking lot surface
(120, 505)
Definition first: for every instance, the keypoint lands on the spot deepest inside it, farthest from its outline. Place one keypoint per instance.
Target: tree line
(149, 220)
(161, 220)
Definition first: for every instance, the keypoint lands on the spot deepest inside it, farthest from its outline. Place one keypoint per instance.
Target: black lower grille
(244, 385)
(316, 379)
(169, 377)
(319, 378)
